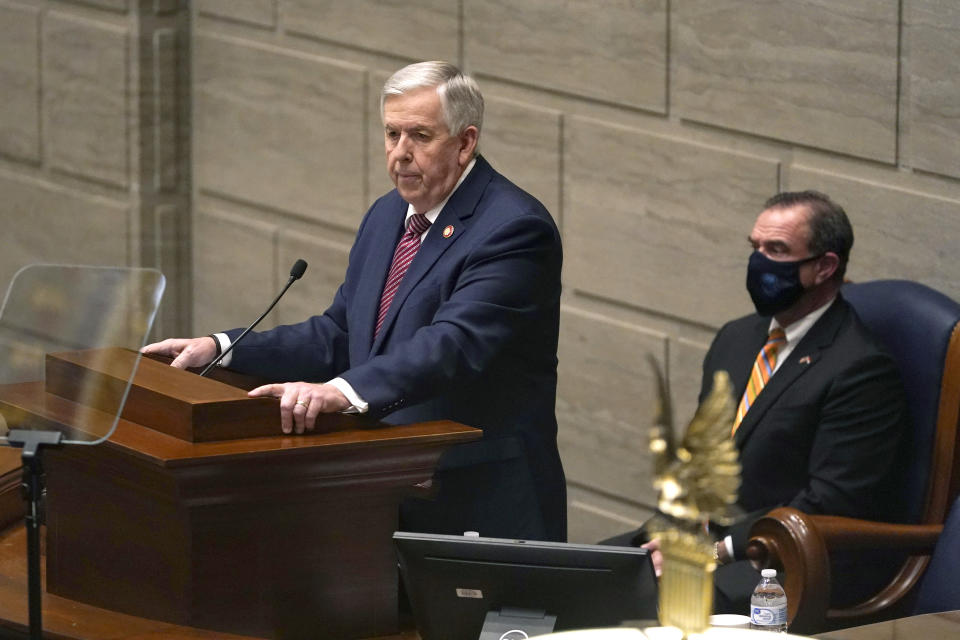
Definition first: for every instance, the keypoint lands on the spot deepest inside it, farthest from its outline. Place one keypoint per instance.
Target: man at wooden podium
(449, 310)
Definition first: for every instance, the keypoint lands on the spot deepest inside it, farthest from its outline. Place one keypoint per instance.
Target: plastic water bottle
(768, 604)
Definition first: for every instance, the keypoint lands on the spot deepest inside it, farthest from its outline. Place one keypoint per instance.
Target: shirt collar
(796, 330)
(434, 213)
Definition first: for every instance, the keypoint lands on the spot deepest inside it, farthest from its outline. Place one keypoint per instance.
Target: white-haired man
(449, 310)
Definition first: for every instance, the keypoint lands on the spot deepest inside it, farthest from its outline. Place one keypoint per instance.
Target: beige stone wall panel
(932, 93)
(312, 294)
(821, 73)
(234, 268)
(898, 233)
(165, 7)
(20, 79)
(280, 129)
(85, 87)
(113, 5)
(170, 255)
(414, 29)
(43, 222)
(659, 223)
(608, 50)
(605, 401)
(256, 12)
(166, 129)
(686, 373)
(522, 142)
(593, 516)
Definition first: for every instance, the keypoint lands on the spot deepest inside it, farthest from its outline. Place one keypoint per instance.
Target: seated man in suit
(823, 433)
(449, 309)
(821, 407)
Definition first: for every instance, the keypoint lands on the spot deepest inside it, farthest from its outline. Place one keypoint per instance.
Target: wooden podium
(199, 512)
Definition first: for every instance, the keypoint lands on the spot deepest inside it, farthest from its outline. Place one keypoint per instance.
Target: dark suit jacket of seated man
(823, 434)
(470, 335)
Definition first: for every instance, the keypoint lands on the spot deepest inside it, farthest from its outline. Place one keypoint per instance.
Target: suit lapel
(455, 215)
(377, 264)
(802, 359)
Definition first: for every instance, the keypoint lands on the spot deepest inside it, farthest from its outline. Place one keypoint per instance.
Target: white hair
(460, 98)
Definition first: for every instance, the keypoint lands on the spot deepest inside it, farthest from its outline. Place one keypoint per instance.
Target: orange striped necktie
(763, 368)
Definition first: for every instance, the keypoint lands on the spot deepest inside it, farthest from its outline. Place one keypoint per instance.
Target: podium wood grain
(188, 407)
(65, 619)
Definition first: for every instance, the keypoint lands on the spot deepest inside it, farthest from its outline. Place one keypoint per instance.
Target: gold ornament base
(686, 585)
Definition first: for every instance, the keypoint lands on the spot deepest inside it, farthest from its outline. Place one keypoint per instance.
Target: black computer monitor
(460, 585)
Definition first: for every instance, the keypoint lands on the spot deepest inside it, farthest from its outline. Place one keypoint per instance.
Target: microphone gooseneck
(296, 272)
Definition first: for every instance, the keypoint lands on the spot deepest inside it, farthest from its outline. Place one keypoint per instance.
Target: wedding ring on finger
(303, 404)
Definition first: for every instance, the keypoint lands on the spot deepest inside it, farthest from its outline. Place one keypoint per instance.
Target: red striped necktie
(406, 249)
(763, 368)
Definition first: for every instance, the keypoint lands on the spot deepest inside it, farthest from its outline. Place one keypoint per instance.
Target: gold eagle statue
(699, 478)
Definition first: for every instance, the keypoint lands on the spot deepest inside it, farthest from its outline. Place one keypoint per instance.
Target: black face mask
(774, 286)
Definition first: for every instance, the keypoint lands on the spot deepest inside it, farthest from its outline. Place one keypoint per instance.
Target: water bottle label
(768, 616)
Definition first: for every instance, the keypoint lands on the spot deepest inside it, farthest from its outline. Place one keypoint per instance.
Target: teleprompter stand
(33, 444)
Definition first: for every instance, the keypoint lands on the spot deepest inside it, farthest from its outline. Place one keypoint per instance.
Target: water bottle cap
(769, 573)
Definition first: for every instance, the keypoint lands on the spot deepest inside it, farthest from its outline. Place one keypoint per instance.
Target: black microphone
(296, 272)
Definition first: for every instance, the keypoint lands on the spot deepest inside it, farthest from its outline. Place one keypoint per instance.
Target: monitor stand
(516, 624)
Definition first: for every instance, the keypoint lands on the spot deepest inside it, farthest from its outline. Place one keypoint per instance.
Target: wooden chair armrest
(799, 545)
(841, 533)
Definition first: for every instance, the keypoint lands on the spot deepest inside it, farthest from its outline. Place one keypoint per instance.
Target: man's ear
(827, 265)
(468, 144)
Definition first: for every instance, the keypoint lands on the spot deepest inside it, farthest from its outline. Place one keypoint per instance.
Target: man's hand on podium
(186, 352)
(302, 402)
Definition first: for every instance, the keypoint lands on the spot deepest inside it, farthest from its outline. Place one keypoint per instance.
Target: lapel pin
(804, 360)
(448, 231)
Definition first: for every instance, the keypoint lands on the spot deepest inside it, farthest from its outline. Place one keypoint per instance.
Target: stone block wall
(94, 151)
(652, 129)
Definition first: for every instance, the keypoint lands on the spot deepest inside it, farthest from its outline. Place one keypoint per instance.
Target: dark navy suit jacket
(471, 336)
(824, 433)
